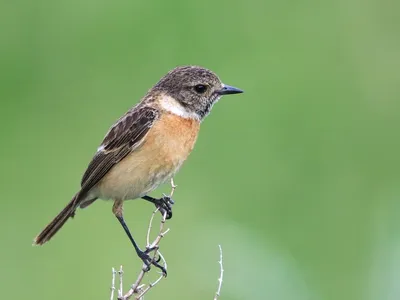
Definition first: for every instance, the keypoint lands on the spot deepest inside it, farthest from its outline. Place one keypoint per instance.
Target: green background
(297, 179)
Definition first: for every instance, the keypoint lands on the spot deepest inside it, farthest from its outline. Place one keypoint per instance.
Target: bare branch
(150, 227)
(217, 294)
(121, 288)
(113, 284)
(173, 186)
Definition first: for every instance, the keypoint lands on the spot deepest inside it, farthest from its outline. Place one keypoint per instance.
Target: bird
(146, 147)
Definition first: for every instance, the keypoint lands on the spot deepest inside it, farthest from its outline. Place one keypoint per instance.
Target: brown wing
(123, 138)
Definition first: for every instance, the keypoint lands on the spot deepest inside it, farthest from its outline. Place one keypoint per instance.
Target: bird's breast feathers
(163, 151)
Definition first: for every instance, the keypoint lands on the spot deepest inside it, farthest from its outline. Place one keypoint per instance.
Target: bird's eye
(200, 88)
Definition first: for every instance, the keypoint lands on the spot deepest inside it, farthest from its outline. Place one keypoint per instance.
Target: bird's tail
(57, 223)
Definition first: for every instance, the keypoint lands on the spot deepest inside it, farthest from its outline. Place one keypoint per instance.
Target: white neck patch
(171, 105)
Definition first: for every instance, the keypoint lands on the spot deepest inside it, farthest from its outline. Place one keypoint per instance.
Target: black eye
(200, 88)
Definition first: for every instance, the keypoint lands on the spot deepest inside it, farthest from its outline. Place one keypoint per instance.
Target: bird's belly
(153, 163)
(135, 176)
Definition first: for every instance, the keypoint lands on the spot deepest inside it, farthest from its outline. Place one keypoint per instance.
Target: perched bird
(146, 147)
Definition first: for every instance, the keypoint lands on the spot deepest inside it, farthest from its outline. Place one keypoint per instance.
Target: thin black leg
(150, 199)
(164, 204)
(144, 256)
(122, 221)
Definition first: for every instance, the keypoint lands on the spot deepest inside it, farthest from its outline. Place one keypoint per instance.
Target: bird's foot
(148, 261)
(164, 205)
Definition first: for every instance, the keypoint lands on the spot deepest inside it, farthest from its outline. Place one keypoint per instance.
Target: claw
(148, 261)
(170, 200)
(165, 206)
(167, 199)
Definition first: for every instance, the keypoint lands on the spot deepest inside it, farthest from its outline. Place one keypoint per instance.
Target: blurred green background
(297, 179)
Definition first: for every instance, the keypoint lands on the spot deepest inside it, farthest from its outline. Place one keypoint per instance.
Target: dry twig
(221, 276)
(113, 284)
(139, 289)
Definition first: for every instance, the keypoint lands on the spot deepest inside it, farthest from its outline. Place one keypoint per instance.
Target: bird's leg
(144, 256)
(164, 204)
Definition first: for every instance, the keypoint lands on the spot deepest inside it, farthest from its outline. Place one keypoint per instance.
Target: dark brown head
(194, 88)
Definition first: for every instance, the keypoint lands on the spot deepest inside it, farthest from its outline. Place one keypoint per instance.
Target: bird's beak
(228, 90)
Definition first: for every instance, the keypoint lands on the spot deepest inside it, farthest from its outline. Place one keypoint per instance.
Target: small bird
(146, 147)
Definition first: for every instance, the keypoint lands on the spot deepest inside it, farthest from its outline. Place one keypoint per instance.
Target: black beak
(228, 90)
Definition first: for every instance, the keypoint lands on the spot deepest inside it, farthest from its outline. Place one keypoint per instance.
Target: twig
(138, 289)
(150, 227)
(217, 294)
(113, 284)
(173, 186)
(121, 288)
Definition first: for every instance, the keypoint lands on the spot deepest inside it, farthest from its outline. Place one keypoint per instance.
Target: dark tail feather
(57, 223)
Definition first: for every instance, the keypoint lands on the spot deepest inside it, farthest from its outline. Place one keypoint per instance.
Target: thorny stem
(217, 294)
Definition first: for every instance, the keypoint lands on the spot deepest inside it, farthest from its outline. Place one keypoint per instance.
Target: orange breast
(166, 146)
(172, 138)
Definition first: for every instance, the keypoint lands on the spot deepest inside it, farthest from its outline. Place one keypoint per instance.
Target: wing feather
(123, 138)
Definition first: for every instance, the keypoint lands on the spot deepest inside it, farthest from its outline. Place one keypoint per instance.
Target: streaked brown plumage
(146, 146)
